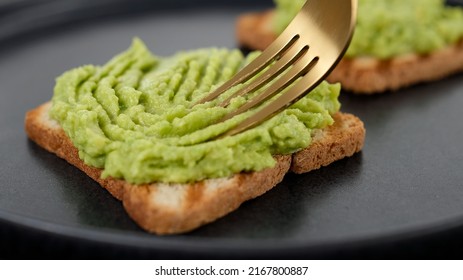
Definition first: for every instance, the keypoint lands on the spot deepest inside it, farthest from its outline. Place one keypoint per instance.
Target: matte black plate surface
(406, 183)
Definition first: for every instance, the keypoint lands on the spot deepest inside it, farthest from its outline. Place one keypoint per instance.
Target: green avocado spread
(387, 28)
(133, 117)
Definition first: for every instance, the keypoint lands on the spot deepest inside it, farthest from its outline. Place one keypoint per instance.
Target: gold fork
(308, 49)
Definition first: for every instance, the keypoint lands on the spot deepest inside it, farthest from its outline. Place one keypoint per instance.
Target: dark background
(401, 204)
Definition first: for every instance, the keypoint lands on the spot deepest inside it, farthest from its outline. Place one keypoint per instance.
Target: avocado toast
(396, 43)
(129, 126)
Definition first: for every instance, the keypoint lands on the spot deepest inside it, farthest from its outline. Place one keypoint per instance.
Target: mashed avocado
(133, 117)
(387, 28)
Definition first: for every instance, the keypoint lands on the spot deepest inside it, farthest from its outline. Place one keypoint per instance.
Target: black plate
(406, 186)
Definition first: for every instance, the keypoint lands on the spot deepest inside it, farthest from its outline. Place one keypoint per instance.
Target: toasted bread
(363, 75)
(176, 208)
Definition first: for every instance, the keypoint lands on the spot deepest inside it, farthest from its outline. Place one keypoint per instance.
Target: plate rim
(206, 245)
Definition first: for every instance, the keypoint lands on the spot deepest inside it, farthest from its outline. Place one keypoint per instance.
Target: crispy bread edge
(363, 75)
(342, 139)
(177, 208)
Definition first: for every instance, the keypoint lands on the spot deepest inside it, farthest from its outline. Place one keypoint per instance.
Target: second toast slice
(366, 75)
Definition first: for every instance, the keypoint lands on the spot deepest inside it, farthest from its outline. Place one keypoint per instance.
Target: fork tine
(306, 84)
(300, 68)
(276, 49)
(295, 52)
(334, 32)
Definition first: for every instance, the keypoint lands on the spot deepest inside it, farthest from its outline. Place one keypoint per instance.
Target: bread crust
(177, 208)
(254, 30)
(365, 75)
(343, 139)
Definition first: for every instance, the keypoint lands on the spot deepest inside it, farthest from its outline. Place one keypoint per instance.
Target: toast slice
(364, 75)
(177, 208)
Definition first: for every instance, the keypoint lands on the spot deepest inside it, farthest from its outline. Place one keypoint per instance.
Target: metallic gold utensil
(308, 49)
